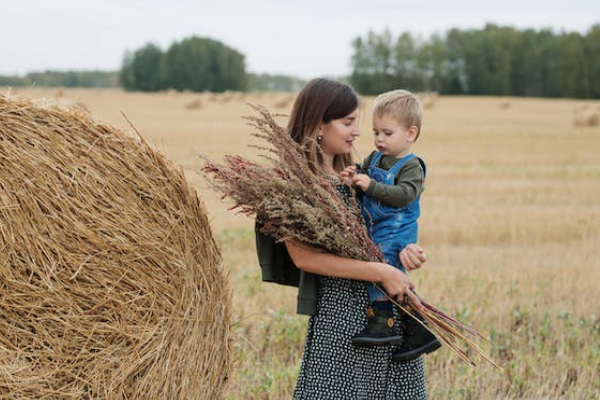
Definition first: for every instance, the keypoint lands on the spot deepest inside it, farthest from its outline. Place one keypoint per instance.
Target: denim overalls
(391, 228)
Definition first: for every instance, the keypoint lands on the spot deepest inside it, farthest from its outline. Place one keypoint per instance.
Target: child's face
(392, 138)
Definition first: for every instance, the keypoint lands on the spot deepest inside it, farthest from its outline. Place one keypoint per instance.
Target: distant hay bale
(194, 105)
(285, 102)
(170, 92)
(428, 99)
(240, 96)
(112, 285)
(428, 103)
(226, 96)
(584, 116)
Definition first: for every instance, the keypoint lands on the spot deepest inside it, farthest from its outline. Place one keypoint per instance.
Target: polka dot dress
(332, 368)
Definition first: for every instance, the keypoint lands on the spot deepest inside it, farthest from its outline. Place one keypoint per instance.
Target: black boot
(380, 331)
(417, 340)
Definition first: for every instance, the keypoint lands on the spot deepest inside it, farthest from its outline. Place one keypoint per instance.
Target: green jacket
(277, 266)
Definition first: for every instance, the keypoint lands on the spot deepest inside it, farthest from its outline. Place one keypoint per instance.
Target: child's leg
(381, 329)
(375, 294)
(417, 340)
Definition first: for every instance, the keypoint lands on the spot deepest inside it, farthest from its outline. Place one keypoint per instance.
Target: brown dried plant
(296, 202)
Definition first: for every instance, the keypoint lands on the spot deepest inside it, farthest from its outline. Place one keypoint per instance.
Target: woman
(324, 120)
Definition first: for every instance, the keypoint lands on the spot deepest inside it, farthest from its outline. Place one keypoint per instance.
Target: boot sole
(416, 353)
(376, 342)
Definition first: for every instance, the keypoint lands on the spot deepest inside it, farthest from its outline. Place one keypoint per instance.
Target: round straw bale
(111, 284)
(194, 105)
(586, 117)
(428, 99)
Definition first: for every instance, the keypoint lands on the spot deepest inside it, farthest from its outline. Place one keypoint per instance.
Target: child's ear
(413, 132)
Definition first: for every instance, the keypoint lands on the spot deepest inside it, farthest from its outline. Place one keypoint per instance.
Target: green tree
(142, 70)
(405, 67)
(200, 64)
(592, 59)
(432, 64)
(455, 71)
(572, 72)
(194, 63)
(373, 63)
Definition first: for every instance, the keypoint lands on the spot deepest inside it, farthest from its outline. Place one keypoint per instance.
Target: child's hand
(362, 180)
(412, 257)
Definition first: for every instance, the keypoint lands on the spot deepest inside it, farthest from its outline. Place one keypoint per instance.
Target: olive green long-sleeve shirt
(409, 182)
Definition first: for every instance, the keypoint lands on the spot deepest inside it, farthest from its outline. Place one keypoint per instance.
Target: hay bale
(112, 284)
(285, 102)
(194, 105)
(428, 99)
(583, 117)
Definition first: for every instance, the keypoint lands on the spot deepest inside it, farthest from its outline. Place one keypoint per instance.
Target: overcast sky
(306, 38)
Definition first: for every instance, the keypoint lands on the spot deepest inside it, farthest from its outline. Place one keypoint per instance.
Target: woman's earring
(319, 138)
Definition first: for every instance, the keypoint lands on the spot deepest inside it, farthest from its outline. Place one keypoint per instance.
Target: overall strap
(423, 166)
(375, 159)
(394, 170)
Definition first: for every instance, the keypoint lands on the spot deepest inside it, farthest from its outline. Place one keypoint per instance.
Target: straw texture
(111, 284)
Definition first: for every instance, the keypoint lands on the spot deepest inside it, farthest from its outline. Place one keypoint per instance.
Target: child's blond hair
(402, 105)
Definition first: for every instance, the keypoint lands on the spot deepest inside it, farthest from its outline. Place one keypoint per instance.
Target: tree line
(495, 60)
(111, 79)
(90, 79)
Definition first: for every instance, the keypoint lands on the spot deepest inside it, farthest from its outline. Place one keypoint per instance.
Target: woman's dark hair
(319, 102)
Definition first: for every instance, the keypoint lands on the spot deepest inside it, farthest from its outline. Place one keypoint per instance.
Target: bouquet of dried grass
(296, 201)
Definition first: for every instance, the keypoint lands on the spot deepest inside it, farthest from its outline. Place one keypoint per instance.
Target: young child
(392, 183)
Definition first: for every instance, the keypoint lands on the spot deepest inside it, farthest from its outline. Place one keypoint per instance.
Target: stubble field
(510, 222)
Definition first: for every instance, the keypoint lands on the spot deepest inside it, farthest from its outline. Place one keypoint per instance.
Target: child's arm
(409, 185)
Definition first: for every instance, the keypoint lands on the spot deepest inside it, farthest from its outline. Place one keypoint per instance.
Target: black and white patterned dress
(333, 369)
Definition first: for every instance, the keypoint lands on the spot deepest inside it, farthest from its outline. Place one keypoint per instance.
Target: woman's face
(339, 134)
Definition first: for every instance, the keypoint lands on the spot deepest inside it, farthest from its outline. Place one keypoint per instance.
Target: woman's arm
(395, 282)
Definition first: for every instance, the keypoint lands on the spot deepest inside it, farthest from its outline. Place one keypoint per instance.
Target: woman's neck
(328, 165)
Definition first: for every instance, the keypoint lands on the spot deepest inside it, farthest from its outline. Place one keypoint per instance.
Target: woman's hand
(348, 172)
(412, 257)
(347, 175)
(398, 286)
